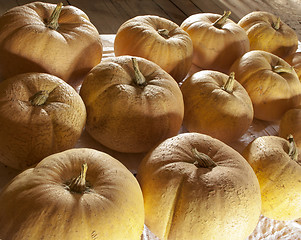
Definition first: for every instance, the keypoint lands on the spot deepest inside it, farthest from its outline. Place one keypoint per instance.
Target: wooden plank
(187, 7)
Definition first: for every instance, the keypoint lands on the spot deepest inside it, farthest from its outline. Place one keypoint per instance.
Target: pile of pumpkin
(189, 185)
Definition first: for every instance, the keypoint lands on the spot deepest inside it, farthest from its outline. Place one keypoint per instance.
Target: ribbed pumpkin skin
(279, 177)
(212, 110)
(36, 204)
(183, 201)
(29, 132)
(139, 37)
(260, 28)
(295, 61)
(126, 117)
(28, 45)
(272, 93)
(215, 48)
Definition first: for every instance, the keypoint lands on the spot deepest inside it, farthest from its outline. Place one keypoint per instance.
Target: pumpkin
(295, 61)
(274, 161)
(217, 40)
(217, 105)
(40, 114)
(158, 40)
(267, 32)
(132, 104)
(42, 37)
(290, 123)
(77, 194)
(271, 83)
(197, 187)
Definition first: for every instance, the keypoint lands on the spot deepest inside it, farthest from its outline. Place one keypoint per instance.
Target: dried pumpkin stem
(282, 69)
(293, 150)
(220, 22)
(228, 87)
(163, 32)
(39, 98)
(78, 184)
(203, 160)
(276, 25)
(139, 78)
(54, 18)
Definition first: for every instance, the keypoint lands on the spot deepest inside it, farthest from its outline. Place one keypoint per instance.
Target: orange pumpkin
(275, 163)
(217, 105)
(40, 114)
(132, 104)
(158, 40)
(197, 187)
(271, 83)
(295, 61)
(40, 37)
(78, 194)
(267, 32)
(217, 40)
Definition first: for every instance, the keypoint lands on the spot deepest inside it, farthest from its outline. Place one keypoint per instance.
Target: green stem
(276, 25)
(39, 98)
(139, 78)
(164, 33)
(78, 184)
(228, 87)
(220, 22)
(54, 18)
(293, 150)
(202, 160)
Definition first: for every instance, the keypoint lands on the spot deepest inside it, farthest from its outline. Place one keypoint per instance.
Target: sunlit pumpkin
(271, 83)
(40, 114)
(78, 194)
(268, 32)
(40, 37)
(132, 104)
(275, 163)
(290, 123)
(197, 187)
(217, 40)
(158, 40)
(217, 105)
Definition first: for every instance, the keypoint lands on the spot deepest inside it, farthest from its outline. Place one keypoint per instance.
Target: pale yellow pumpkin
(78, 194)
(274, 161)
(197, 187)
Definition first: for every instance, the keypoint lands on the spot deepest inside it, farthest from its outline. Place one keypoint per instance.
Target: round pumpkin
(132, 104)
(274, 161)
(158, 40)
(217, 105)
(267, 32)
(40, 114)
(78, 194)
(290, 123)
(295, 61)
(271, 83)
(42, 37)
(217, 40)
(197, 187)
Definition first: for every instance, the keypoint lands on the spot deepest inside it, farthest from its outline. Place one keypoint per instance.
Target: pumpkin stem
(220, 22)
(293, 151)
(282, 69)
(276, 25)
(228, 87)
(39, 98)
(139, 78)
(203, 160)
(163, 32)
(53, 22)
(78, 184)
